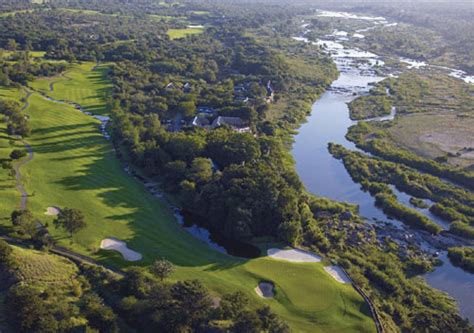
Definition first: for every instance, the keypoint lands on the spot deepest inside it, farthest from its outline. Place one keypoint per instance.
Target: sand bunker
(338, 274)
(52, 211)
(293, 255)
(119, 246)
(265, 290)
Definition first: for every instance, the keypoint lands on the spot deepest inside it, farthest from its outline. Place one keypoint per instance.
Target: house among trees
(187, 87)
(201, 121)
(170, 85)
(241, 92)
(205, 110)
(242, 99)
(270, 93)
(236, 123)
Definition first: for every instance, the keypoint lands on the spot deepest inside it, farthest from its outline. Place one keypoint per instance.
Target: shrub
(17, 154)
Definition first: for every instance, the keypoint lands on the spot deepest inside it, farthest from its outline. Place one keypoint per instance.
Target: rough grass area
(41, 268)
(435, 115)
(366, 107)
(181, 33)
(6, 14)
(9, 198)
(4, 54)
(437, 135)
(75, 166)
(431, 91)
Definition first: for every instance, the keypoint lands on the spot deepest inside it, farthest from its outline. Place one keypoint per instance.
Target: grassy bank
(10, 197)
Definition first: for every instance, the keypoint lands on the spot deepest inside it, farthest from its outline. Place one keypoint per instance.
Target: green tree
(290, 231)
(232, 305)
(162, 268)
(185, 147)
(187, 108)
(201, 169)
(227, 147)
(190, 306)
(247, 322)
(24, 222)
(28, 312)
(17, 154)
(70, 219)
(12, 45)
(5, 252)
(271, 322)
(99, 315)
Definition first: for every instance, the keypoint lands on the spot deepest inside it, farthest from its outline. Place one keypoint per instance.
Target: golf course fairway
(75, 166)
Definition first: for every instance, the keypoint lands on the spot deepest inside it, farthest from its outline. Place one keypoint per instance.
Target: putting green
(74, 166)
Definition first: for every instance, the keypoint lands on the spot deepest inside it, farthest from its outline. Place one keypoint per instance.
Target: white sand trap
(293, 255)
(52, 211)
(338, 274)
(119, 246)
(265, 290)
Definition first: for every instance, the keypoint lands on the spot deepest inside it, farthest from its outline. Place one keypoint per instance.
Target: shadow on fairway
(115, 204)
(156, 233)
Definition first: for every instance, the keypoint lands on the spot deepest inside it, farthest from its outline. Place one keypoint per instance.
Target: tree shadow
(144, 222)
(155, 231)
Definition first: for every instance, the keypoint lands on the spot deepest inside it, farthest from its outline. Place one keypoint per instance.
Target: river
(325, 176)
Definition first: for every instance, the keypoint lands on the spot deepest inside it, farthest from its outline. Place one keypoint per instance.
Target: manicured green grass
(79, 84)
(180, 33)
(74, 166)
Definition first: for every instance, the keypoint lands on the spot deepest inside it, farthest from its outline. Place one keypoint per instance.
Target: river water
(325, 176)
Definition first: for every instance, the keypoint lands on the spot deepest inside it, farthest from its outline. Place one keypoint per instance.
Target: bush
(17, 154)
(392, 207)
(462, 229)
(447, 213)
(462, 257)
(5, 252)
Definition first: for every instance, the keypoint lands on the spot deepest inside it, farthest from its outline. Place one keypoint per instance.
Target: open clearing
(433, 135)
(75, 166)
(180, 33)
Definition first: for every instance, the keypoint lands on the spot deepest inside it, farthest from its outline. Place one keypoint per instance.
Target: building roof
(230, 121)
(201, 121)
